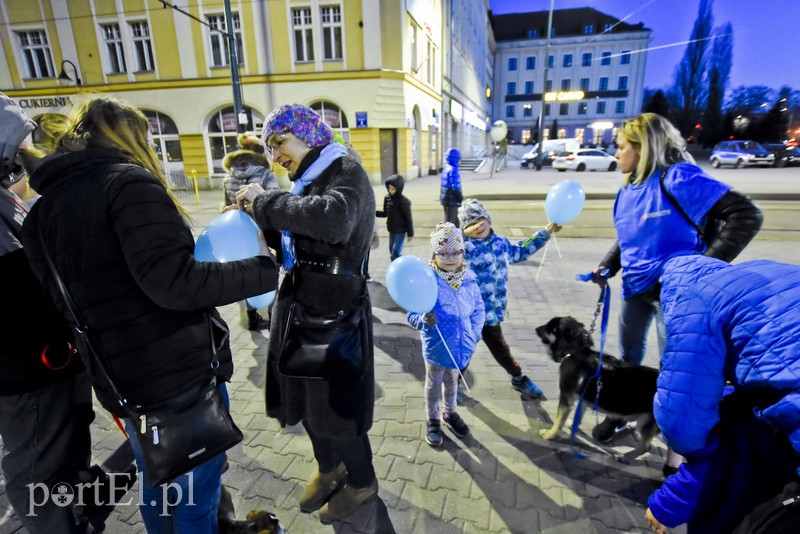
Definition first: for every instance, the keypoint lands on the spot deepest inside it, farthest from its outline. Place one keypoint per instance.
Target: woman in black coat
(327, 220)
(121, 244)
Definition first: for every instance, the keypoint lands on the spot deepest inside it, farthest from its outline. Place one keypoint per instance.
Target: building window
(549, 86)
(563, 109)
(511, 88)
(567, 60)
(526, 136)
(546, 132)
(584, 84)
(143, 47)
(603, 84)
(331, 32)
(588, 29)
(36, 54)
(562, 133)
(605, 58)
(530, 62)
(551, 61)
(114, 51)
(586, 59)
(303, 35)
(607, 27)
(622, 83)
(527, 110)
(220, 53)
(579, 133)
(546, 112)
(566, 84)
(583, 108)
(625, 57)
(619, 107)
(512, 63)
(333, 117)
(510, 111)
(222, 133)
(533, 34)
(601, 107)
(528, 88)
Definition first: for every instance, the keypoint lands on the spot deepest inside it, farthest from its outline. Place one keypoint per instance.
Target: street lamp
(64, 76)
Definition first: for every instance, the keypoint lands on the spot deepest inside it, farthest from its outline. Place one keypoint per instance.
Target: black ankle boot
(255, 321)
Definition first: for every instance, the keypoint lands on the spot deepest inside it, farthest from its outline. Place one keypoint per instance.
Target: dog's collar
(567, 355)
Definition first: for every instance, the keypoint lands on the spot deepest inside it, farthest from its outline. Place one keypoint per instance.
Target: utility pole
(544, 87)
(233, 59)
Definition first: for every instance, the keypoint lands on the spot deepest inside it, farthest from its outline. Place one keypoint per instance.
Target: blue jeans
(188, 504)
(635, 317)
(396, 241)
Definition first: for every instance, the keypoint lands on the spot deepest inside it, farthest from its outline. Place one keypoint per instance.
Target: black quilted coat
(126, 256)
(334, 217)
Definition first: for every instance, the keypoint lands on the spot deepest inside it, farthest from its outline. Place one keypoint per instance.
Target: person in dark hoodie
(45, 396)
(397, 210)
(247, 166)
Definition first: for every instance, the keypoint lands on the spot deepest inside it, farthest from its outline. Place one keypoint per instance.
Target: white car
(585, 159)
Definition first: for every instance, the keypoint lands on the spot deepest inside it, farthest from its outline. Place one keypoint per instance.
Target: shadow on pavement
(372, 517)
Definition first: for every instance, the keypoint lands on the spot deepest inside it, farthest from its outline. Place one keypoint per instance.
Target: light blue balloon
(564, 201)
(202, 248)
(262, 301)
(412, 284)
(233, 236)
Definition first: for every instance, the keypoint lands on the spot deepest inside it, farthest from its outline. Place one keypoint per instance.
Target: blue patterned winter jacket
(728, 322)
(489, 258)
(459, 316)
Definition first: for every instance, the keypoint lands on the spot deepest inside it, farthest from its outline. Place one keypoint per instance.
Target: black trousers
(355, 453)
(493, 337)
(451, 214)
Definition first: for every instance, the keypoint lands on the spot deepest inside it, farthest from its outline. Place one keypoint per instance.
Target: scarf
(329, 154)
(453, 278)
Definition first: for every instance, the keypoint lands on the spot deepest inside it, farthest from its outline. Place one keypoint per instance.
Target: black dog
(627, 390)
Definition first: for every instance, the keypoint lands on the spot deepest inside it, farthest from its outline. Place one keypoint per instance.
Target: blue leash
(605, 302)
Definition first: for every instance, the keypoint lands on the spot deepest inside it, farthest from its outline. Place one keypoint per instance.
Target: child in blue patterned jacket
(458, 315)
(488, 255)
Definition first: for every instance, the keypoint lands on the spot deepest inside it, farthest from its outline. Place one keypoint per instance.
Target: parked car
(784, 154)
(529, 158)
(586, 159)
(740, 154)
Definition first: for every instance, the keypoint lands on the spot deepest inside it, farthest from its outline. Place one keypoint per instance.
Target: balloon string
(558, 249)
(541, 264)
(451, 357)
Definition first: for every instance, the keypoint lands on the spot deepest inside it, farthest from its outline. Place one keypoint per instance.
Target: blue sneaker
(525, 385)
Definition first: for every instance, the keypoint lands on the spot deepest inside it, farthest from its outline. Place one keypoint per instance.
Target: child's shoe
(433, 433)
(456, 424)
(525, 385)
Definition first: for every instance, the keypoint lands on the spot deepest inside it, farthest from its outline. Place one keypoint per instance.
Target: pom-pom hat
(470, 211)
(299, 120)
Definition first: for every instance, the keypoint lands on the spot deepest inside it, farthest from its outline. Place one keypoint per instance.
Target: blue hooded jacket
(459, 316)
(450, 192)
(739, 323)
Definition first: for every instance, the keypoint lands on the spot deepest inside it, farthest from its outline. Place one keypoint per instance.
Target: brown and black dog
(627, 390)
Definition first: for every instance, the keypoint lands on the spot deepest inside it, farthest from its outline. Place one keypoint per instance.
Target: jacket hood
(243, 158)
(397, 181)
(59, 166)
(453, 156)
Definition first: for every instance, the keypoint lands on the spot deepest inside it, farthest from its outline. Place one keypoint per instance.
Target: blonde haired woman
(664, 204)
(121, 244)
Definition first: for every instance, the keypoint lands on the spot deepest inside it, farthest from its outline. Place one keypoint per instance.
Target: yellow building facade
(371, 68)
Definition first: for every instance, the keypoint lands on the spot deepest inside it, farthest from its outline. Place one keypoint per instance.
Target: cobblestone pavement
(502, 478)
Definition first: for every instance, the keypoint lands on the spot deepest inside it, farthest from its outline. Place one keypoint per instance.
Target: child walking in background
(488, 256)
(397, 210)
(459, 315)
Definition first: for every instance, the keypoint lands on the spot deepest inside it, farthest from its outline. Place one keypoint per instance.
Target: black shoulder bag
(704, 234)
(177, 436)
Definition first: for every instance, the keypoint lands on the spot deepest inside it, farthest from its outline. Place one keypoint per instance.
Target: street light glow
(564, 96)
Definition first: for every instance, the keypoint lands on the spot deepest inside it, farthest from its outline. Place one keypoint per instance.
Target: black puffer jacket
(397, 208)
(126, 256)
(333, 217)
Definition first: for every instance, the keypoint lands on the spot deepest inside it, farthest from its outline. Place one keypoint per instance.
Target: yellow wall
(366, 142)
(391, 37)
(194, 155)
(354, 35)
(165, 43)
(279, 31)
(404, 162)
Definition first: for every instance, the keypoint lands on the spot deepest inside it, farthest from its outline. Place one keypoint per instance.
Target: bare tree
(690, 85)
(747, 99)
(719, 70)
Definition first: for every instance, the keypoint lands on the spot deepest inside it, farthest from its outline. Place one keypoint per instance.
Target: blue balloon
(564, 201)
(262, 301)
(202, 248)
(412, 284)
(232, 236)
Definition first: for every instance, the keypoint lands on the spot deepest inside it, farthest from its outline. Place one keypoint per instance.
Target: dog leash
(604, 302)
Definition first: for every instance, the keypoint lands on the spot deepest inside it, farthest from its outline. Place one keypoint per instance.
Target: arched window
(333, 117)
(222, 133)
(168, 147)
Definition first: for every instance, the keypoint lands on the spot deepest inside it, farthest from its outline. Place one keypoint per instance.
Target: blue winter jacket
(728, 322)
(489, 258)
(459, 316)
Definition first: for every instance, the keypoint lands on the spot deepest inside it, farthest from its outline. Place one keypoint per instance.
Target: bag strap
(700, 230)
(80, 327)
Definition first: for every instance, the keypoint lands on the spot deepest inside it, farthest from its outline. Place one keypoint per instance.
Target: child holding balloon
(450, 332)
(488, 256)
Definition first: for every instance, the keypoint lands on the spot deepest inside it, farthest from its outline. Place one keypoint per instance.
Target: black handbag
(327, 346)
(178, 435)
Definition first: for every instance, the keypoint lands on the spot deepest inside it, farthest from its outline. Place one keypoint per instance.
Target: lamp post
(64, 76)
(540, 128)
(497, 132)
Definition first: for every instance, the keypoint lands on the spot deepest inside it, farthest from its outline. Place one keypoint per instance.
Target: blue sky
(765, 42)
